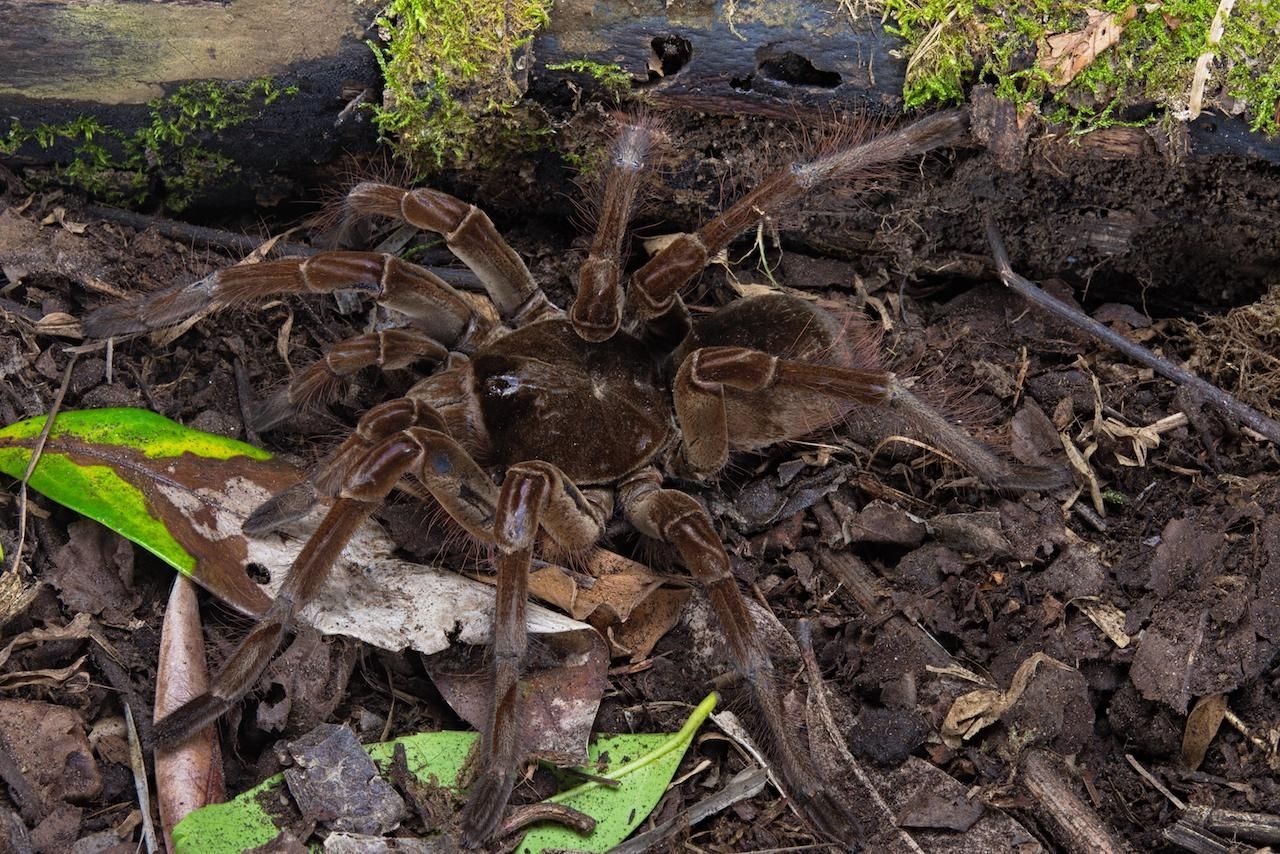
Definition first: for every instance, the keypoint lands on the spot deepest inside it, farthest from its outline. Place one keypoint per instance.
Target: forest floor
(1096, 618)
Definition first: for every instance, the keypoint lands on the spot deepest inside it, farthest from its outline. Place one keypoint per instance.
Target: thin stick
(36, 452)
(139, 765)
(1208, 392)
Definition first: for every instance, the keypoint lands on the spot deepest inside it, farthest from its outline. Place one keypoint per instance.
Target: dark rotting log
(108, 65)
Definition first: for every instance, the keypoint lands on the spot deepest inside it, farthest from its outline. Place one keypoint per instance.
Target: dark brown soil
(1186, 560)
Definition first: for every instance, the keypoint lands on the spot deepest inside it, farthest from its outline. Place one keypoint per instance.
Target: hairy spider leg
(470, 235)
(676, 518)
(535, 495)
(447, 471)
(717, 410)
(653, 295)
(330, 477)
(321, 382)
(596, 313)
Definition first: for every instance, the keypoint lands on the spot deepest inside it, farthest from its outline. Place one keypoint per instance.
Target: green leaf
(153, 481)
(643, 764)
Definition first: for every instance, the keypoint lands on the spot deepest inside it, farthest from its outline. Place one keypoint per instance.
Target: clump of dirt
(967, 639)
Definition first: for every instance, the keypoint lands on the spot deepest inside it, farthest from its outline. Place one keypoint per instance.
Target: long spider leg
(676, 518)
(438, 309)
(376, 425)
(322, 381)
(711, 380)
(654, 288)
(596, 313)
(470, 235)
(534, 494)
(444, 467)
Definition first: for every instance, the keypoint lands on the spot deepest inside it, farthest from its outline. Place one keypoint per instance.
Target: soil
(1095, 629)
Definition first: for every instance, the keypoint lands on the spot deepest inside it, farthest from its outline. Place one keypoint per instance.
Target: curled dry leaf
(1202, 726)
(973, 712)
(188, 775)
(620, 597)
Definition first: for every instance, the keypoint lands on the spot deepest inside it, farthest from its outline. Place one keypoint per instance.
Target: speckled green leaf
(155, 482)
(643, 764)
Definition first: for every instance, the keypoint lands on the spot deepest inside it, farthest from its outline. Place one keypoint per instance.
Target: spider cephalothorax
(537, 423)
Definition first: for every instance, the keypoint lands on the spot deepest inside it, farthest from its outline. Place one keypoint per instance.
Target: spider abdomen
(595, 410)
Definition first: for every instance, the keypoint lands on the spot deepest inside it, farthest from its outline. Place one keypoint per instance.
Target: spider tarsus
(272, 412)
(155, 311)
(486, 803)
(188, 719)
(281, 509)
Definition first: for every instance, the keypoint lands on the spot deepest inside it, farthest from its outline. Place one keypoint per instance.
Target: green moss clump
(447, 67)
(952, 43)
(166, 155)
(613, 78)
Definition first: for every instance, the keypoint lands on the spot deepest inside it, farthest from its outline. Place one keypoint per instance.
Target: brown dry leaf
(49, 677)
(1065, 55)
(1202, 725)
(1106, 617)
(975, 711)
(78, 629)
(622, 598)
(188, 775)
(59, 324)
(560, 699)
(59, 217)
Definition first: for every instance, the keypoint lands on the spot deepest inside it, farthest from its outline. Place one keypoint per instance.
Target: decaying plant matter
(538, 422)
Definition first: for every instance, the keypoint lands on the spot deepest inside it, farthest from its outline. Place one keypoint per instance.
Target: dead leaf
(560, 697)
(59, 324)
(1202, 726)
(59, 217)
(1105, 616)
(622, 598)
(1065, 55)
(335, 782)
(973, 712)
(189, 774)
(52, 750)
(93, 572)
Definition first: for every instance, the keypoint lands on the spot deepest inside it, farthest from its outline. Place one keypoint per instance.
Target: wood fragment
(1259, 827)
(1073, 823)
(1211, 394)
(1197, 840)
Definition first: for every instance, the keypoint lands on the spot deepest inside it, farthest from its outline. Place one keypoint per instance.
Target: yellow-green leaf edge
(642, 763)
(100, 491)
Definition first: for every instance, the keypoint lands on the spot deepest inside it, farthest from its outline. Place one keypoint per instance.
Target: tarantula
(537, 421)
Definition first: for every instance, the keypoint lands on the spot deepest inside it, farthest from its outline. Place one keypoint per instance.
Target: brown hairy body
(539, 424)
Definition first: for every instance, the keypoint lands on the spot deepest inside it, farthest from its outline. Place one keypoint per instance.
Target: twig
(1197, 840)
(139, 764)
(1155, 783)
(522, 817)
(1211, 394)
(36, 452)
(1074, 823)
(1260, 827)
(185, 231)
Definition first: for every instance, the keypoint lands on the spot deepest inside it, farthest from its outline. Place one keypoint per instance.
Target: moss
(953, 43)
(447, 67)
(165, 155)
(613, 78)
